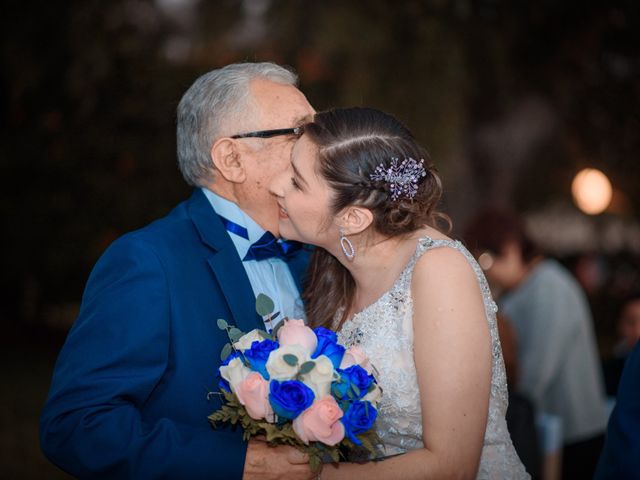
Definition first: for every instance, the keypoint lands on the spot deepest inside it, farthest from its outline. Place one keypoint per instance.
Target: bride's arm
(452, 351)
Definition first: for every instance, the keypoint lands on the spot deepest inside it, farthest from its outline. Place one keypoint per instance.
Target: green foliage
(226, 351)
(222, 324)
(264, 305)
(290, 359)
(306, 367)
(235, 334)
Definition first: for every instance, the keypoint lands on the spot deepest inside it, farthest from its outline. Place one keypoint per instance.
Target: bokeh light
(592, 191)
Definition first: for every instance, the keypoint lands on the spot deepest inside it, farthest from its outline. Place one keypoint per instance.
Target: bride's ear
(228, 161)
(354, 219)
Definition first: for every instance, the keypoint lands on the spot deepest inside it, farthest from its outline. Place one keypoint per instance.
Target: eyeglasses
(297, 131)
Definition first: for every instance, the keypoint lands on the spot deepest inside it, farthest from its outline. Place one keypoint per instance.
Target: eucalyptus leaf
(264, 305)
(226, 351)
(335, 455)
(235, 334)
(290, 359)
(264, 334)
(222, 324)
(306, 367)
(314, 463)
(356, 390)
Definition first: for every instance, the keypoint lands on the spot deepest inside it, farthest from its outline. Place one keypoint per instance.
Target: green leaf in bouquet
(367, 444)
(335, 455)
(235, 334)
(222, 324)
(290, 359)
(264, 305)
(356, 390)
(226, 351)
(371, 388)
(264, 334)
(315, 463)
(306, 367)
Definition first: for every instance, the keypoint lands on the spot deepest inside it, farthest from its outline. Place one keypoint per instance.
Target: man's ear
(355, 219)
(227, 159)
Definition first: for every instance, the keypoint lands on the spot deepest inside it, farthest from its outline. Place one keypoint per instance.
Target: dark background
(511, 98)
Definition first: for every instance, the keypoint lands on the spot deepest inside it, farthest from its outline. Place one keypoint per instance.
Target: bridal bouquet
(298, 386)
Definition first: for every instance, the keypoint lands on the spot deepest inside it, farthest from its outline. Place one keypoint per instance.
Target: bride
(414, 300)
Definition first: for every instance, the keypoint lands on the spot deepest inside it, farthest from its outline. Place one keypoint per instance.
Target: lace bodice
(384, 330)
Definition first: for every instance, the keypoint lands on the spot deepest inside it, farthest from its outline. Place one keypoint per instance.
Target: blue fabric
(268, 246)
(233, 227)
(620, 458)
(129, 392)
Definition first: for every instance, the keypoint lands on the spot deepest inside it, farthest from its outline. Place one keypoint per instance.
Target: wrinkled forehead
(276, 105)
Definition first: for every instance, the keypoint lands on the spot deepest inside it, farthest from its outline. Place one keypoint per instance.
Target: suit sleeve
(116, 354)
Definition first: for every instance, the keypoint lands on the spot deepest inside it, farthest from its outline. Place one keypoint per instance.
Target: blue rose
(359, 418)
(223, 384)
(258, 355)
(328, 345)
(354, 376)
(289, 398)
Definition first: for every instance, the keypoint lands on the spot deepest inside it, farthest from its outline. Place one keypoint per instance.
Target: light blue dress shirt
(271, 276)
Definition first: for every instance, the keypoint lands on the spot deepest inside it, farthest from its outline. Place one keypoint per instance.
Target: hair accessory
(402, 177)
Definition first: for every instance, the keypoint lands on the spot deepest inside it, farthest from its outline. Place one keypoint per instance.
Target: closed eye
(295, 183)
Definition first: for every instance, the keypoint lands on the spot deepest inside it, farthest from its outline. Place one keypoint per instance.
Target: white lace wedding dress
(385, 332)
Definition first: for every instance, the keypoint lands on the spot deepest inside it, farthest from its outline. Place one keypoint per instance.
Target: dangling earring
(347, 246)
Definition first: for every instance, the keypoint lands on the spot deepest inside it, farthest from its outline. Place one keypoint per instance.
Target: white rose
(245, 341)
(320, 377)
(234, 372)
(279, 369)
(373, 396)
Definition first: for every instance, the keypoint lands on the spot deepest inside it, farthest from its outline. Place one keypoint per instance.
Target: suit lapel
(225, 264)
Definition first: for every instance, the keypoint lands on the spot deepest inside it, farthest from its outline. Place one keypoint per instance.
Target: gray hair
(213, 98)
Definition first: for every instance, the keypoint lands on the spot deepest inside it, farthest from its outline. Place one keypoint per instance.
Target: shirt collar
(233, 212)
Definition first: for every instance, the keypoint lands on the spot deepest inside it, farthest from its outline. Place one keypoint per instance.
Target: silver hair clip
(402, 178)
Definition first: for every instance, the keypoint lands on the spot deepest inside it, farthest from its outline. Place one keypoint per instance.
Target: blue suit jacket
(620, 457)
(129, 392)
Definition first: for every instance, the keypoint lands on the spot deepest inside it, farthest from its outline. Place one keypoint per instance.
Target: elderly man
(129, 392)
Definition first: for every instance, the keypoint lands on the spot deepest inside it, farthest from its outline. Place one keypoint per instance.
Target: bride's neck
(377, 267)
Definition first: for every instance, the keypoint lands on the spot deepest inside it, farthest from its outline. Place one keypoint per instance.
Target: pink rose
(295, 332)
(320, 422)
(253, 393)
(356, 356)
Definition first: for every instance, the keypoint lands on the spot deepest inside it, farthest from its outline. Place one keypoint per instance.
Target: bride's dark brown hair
(351, 143)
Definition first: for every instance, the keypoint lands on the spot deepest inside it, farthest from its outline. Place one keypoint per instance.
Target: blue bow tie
(266, 247)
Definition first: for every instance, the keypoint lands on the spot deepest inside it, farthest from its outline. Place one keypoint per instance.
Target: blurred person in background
(628, 326)
(559, 368)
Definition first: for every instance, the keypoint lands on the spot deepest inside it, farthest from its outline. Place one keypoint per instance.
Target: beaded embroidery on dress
(384, 330)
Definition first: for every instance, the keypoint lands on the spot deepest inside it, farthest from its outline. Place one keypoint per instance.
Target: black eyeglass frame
(297, 131)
